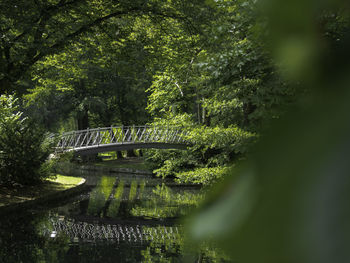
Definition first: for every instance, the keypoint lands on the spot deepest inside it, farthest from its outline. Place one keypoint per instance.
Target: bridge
(118, 138)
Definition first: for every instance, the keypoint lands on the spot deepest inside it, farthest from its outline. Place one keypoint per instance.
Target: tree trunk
(248, 109)
(83, 124)
(83, 119)
(199, 109)
(119, 155)
(5, 85)
(205, 117)
(130, 153)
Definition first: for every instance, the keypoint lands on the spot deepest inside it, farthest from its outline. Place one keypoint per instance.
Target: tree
(33, 30)
(222, 78)
(102, 80)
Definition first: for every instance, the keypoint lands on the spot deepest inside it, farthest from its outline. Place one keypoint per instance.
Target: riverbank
(22, 196)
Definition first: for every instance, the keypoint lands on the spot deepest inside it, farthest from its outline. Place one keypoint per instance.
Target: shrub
(204, 176)
(213, 148)
(24, 148)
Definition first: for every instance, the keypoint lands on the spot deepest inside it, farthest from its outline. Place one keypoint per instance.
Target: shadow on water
(121, 219)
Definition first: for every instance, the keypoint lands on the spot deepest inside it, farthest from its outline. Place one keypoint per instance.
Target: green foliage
(213, 148)
(226, 78)
(205, 176)
(66, 157)
(33, 30)
(224, 90)
(24, 148)
(221, 71)
(102, 83)
(172, 162)
(229, 141)
(288, 201)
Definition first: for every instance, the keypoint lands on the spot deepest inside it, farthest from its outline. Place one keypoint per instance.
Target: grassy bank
(12, 195)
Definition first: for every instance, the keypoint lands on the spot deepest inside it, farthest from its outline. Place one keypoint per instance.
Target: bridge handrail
(122, 134)
(120, 126)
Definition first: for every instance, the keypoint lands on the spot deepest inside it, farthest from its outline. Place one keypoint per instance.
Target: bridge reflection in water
(91, 141)
(88, 232)
(120, 210)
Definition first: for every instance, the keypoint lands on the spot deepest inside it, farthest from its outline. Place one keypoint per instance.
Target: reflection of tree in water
(165, 203)
(177, 250)
(115, 203)
(100, 195)
(122, 200)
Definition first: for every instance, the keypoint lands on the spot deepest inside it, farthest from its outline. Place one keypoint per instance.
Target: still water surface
(122, 218)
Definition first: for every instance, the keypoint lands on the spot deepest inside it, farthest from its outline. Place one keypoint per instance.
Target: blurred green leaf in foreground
(289, 202)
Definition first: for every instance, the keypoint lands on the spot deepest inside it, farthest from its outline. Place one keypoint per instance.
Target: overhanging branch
(85, 28)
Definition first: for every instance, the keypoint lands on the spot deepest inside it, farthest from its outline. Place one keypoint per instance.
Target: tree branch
(41, 50)
(63, 42)
(45, 15)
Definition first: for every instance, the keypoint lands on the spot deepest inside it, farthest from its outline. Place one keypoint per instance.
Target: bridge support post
(98, 136)
(75, 139)
(122, 133)
(111, 133)
(87, 137)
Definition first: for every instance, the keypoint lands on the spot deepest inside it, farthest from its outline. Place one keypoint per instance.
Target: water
(121, 219)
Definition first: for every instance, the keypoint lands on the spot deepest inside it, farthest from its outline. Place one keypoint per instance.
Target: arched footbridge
(117, 138)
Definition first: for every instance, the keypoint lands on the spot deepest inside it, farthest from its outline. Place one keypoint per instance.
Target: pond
(122, 218)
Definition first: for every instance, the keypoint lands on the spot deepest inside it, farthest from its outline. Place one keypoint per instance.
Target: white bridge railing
(121, 135)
